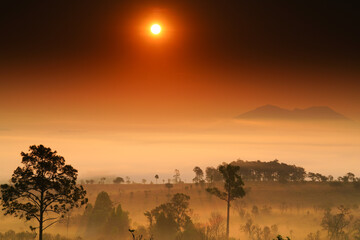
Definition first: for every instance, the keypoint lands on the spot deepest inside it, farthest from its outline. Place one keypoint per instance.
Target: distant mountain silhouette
(274, 112)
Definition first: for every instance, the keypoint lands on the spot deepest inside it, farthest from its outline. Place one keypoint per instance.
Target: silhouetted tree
(100, 213)
(117, 223)
(156, 178)
(215, 229)
(255, 210)
(171, 220)
(317, 177)
(350, 177)
(127, 179)
(143, 180)
(91, 181)
(199, 175)
(233, 188)
(213, 175)
(44, 188)
(66, 221)
(176, 176)
(118, 180)
(313, 236)
(102, 180)
(249, 228)
(312, 176)
(269, 171)
(104, 219)
(322, 178)
(335, 224)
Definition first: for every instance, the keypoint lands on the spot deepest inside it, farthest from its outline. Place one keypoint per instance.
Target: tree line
(272, 171)
(256, 171)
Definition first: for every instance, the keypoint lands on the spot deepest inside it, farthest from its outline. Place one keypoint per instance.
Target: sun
(155, 29)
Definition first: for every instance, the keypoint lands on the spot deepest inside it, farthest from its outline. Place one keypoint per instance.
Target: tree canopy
(199, 175)
(43, 188)
(105, 218)
(171, 220)
(262, 171)
(118, 180)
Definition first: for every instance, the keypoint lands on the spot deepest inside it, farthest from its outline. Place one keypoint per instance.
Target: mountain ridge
(274, 112)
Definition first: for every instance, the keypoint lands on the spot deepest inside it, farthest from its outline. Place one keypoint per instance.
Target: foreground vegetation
(274, 199)
(296, 210)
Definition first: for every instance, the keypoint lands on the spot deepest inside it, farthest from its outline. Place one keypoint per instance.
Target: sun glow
(155, 29)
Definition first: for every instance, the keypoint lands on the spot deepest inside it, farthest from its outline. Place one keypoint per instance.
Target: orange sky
(209, 61)
(92, 77)
(167, 92)
(109, 121)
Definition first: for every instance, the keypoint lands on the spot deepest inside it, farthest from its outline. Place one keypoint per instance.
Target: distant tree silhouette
(215, 229)
(127, 179)
(317, 177)
(104, 219)
(277, 172)
(270, 171)
(143, 181)
(248, 228)
(335, 224)
(100, 213)
(199, 175)
(91, 181)
(256, 232)
(213, 175)
(255, 210)
(44, 188)
(312, 176)
(171, 220)
(156, 178)
(176, 176)
(118, 180)
(233, 187)
(322, 177)
(117, 223)
(102, 180)
(349, 177)
(66, 221)
(313, 236)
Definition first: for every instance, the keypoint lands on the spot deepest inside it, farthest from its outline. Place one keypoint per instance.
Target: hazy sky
(75, 75)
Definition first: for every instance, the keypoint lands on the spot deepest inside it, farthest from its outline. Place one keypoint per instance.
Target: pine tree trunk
(41, 216)
(228, 217)
(41, 227)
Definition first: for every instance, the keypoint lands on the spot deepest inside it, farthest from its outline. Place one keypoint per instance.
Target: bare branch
(51, 224)
(49, 219)
(35, 216)
(33, 200)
